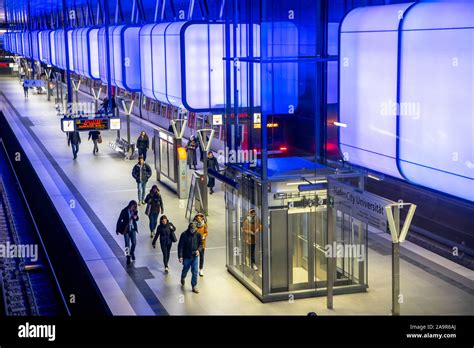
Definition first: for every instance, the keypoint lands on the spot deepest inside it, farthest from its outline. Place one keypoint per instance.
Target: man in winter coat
(141, 173)
(189, 248)
(127, 226)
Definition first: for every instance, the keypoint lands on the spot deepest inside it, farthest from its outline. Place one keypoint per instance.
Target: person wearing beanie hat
(189, 248)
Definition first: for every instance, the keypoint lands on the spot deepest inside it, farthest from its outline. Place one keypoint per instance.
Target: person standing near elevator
(251, 227)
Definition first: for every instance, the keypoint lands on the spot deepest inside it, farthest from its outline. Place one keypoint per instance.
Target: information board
(89, 124)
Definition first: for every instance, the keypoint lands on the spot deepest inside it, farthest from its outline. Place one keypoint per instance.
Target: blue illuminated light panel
(124, 51)
(407, 93)
(436, 141)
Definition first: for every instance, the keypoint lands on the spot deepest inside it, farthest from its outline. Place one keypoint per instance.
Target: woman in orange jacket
(201, 224)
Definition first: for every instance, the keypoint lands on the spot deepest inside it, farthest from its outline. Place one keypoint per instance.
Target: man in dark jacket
(189, 247)
(127, 226)
(73, 140)
(141, 173)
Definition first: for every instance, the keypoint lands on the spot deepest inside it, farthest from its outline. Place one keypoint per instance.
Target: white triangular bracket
(57, 76)
(205, 142)
(127, 105)
(179, 126)
(399, 236)
(96, 91)
(76, 84)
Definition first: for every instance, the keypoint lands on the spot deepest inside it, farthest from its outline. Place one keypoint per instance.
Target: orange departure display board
(91, 124)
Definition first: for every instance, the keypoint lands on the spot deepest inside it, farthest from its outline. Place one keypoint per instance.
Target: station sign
(89, 124)
(361, 205)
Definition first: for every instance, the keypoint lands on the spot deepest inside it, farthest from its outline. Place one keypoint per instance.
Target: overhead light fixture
(339, 124)
(374, 177)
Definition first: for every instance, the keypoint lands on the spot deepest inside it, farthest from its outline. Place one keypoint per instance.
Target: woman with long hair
(166, 232)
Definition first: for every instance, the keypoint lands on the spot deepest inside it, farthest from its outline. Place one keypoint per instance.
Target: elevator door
(297, 249)
(300, 239)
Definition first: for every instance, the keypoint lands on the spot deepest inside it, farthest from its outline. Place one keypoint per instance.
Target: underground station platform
(229, 158)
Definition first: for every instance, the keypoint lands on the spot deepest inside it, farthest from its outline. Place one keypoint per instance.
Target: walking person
(143, 143)
(191, 149)
(127, 226)
(73, 140)
(189, 248)
(166, 232)
(251, 228)
(213, 165)
(201, 225)
(141, 173)
(25, 89)
(96, 139)
(154, 207)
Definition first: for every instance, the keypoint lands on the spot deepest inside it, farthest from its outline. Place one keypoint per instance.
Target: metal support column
(206, 145)
(331, 259)
(96, 91)
(396, 267)
(128, 107)
(398, 236)
(66, 50)
(361, 234)
(107, 50)
(30, 44)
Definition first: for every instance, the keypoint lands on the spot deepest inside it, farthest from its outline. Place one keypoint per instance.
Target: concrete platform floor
(100, 186)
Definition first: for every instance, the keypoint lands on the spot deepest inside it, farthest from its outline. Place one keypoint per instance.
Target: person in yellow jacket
(201, 224)
(251, 227)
